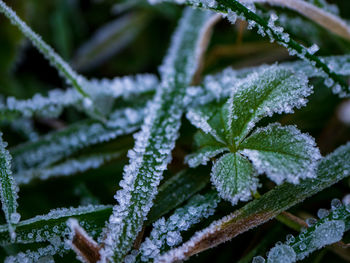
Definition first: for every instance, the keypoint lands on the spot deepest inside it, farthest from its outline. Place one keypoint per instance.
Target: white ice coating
(8, 189)
(285, 154)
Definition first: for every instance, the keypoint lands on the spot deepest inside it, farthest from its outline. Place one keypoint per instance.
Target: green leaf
(283, 153)
(155, 141)
(208, 119)
(8, 191)
(274, 90)
(234, 177)
(330, 170)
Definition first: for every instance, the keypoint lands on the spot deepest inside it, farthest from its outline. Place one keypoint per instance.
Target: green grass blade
(8, 189)
(55, 146)
(153, 146)
(70, 75)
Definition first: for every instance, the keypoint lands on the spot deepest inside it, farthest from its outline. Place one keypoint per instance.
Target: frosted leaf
(8, 189)
(205, 118)
(234, 178)
(67, 168)
(281, 253)
(55, 146)
(203, 155)
(166, 233)
(272, 90)
(283, 153)
(156, 140)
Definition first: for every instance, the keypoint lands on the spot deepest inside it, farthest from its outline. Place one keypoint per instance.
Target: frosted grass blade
(8, 189)
(155, 141)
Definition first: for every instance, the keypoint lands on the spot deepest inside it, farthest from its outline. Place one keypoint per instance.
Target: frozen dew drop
(290, 238)
(313, 49)
(311, 221)
(302, 246)
(321, 213)
(258, 259)
(335, 204)
(346, 199)
(15, 217)
(281, 253)
(328, 233)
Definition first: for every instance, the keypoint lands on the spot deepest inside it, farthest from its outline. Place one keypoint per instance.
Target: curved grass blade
(56, 100)
(331, 169)
(67, 168)
(70, 75)
(153, 146)
(55, 146)
(8, 190)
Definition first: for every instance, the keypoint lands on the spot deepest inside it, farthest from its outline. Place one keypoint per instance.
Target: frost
(8, 189)
(52, 226)
(320, 233)
(42, 255)
(103, 92)
(58, 145)
(166, 233)
(155, 141)
(283, 153)
(234, 178)
(71, 76)
(203, 155)
(258, 259)
(265, 90)
(281, 253)
(67, 168)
